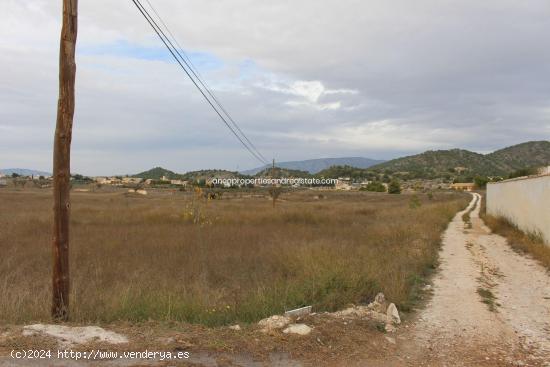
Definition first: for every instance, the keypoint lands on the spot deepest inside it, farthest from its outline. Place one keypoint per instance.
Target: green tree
(275, 192)
(394, 187)
(376, 186)
(481, 181)
(523, 172)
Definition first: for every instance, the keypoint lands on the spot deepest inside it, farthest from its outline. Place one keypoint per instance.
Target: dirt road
(490, 305)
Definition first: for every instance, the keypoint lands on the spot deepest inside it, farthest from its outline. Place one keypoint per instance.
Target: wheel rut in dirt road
(488, 301)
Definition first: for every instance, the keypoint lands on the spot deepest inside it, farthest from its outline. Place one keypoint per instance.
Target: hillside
(529, 154)
(317, 165)
(209, 174)
(156, 174)
(345, 171)
(441, 163)
(279, 172)
(449, 164)
(436, 163)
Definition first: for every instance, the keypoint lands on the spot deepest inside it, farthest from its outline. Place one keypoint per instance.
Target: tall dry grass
(139, 258)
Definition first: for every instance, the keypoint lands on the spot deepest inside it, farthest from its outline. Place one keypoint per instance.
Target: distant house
(343, 183)
(108, 180)
(463, 186)
(131, 180)
(178, 182)
(102, 180)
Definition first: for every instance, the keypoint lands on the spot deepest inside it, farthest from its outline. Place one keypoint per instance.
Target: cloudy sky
(303, 78)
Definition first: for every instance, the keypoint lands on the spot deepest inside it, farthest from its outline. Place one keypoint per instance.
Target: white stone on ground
(300, 329)
(274, 322)
(380, 298)
(68, 335)
(393, 314)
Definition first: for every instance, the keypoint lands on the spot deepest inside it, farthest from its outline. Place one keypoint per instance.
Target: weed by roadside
(488, 298)
(466, 216)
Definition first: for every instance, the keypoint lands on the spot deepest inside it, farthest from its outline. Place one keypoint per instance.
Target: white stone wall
(523, 201)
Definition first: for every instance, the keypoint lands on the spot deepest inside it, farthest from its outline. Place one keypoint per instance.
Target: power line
(173, 51)
(196, 73)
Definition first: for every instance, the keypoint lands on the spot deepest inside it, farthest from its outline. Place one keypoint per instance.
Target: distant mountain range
(430, 164)
(448, 164)
(23, 172)
(439, 163)
(317, 165)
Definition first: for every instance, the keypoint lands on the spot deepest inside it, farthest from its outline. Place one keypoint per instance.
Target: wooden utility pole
(62, 161)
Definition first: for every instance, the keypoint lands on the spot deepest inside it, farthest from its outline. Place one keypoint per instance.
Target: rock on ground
(393, 314)
(379, 303)
(300, 329)
(274, 322)
(68, 335)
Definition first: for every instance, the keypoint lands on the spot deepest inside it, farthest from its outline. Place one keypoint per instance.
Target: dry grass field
(171, 256)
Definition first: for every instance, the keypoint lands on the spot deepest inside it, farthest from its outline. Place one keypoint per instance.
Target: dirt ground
(508, 324)
(487, 306)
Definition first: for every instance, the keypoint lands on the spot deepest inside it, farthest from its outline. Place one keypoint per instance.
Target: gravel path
(490, 305)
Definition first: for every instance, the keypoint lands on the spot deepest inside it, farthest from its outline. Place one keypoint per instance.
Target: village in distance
(432, 170)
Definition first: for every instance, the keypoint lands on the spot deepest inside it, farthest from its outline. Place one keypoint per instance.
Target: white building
(131, 180)
(178, 182)
(343, 183)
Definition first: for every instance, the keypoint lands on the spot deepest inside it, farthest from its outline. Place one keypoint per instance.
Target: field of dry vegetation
(172, 256)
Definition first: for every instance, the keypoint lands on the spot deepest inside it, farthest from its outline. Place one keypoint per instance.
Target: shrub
(394, 187)
(523, 172)
(415, 202)
(376, 186)
(481, 181)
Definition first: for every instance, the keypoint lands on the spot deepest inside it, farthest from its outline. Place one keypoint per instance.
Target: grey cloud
(424, 75)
